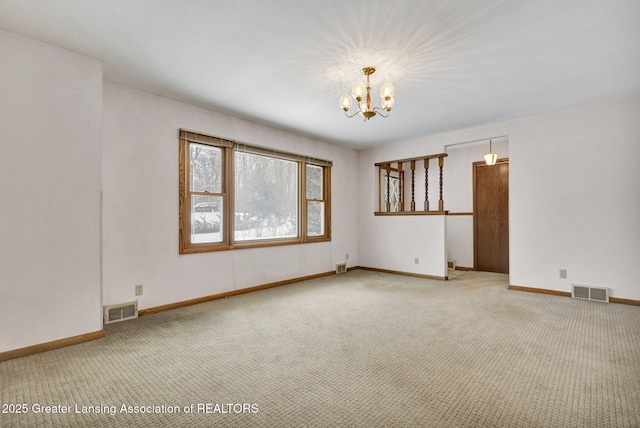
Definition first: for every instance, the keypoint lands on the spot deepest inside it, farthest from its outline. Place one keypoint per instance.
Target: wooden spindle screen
(396, 167)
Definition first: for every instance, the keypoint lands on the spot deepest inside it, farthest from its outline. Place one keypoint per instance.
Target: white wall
(50, 117)
(458, 171)
(460, 240)
(575, 198)
(574, 194)
(140, 216)
(458, 194)
(394, 242)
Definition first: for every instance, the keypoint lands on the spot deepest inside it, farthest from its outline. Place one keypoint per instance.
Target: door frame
(475, 165)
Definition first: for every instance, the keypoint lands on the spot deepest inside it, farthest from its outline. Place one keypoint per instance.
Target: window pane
(266, 197)
(394, 194)
(315, 219)
(392, 184)
(206, 168)
(314, 182)
(206, 219)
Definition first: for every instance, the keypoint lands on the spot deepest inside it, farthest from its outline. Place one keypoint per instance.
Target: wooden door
(491, 216)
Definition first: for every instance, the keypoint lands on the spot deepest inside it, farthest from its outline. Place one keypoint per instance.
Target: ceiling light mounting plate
(367, 71)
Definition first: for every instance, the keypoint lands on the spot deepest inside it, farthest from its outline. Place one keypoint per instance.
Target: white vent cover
(121, 312)
(341, 267)
(597, 294)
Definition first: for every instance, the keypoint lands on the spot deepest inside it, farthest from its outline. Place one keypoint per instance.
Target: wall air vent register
(585, 292)
(121, 312)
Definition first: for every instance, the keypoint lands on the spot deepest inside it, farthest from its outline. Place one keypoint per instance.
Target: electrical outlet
(416, 261)
(563, 273)
(139, 290)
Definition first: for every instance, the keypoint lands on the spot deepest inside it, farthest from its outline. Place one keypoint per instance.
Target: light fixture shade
(386, 91)
(358, 91)
(345, 102)
(363, 105)
(491, 158)
(388, 104)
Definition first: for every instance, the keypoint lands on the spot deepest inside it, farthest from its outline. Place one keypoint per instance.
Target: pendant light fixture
(362, 94)
(490, 158)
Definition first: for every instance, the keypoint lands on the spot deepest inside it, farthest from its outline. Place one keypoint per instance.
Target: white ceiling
(285, 63)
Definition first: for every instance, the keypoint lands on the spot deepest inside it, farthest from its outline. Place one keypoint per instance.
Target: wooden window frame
(326, 199)
(229, 147)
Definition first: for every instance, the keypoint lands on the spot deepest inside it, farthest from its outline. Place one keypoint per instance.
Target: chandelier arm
(377, 110)
(345, 113)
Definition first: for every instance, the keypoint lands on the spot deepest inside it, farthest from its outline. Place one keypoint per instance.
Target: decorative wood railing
(393, 172)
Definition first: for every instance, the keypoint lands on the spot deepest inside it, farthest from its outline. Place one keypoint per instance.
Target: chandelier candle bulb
(387, 104)
(386, 91)
(345, 102)
(358, 92)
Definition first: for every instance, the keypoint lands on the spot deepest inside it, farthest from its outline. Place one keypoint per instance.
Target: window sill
(204, 248)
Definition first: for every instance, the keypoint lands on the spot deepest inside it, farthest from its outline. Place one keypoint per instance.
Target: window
(391, 184)
(207, 199)
(238, 196)
(316, 200)
(392, 195)
(266, 198)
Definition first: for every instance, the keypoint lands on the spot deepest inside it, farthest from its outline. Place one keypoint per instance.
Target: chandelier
(364, 104)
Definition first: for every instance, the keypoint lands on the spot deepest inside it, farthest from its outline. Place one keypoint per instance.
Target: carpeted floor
(363, 349)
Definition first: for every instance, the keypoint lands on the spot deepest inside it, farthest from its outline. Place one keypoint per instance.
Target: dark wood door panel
(491, 222)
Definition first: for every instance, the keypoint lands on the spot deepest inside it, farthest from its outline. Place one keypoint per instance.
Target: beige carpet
(363, 349)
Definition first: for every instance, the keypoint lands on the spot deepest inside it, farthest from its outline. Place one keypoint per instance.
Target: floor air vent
(341, 267)
(597, 294)
(121, 312)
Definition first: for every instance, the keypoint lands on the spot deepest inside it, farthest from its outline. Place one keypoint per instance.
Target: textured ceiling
(454, 64)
